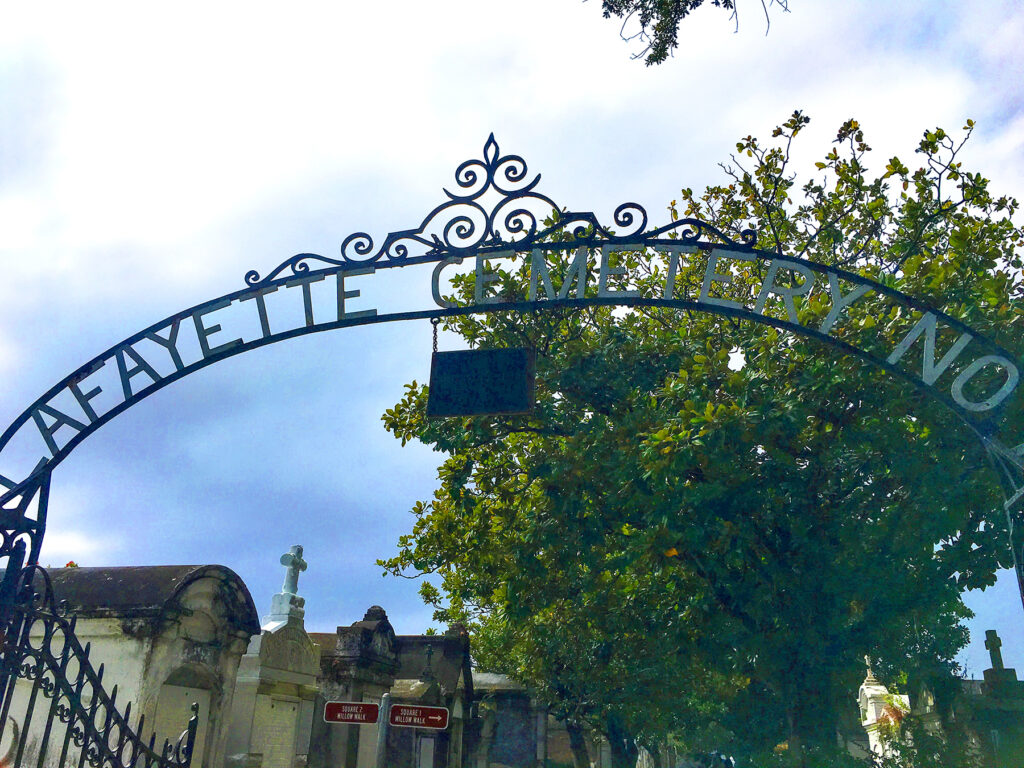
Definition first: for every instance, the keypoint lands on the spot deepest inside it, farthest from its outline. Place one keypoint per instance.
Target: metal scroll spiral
(494, 205)
(512, 210)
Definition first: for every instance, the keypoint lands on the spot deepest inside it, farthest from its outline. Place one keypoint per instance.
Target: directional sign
(358, 712)
(410, 716)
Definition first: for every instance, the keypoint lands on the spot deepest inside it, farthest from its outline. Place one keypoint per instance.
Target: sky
(151, 155)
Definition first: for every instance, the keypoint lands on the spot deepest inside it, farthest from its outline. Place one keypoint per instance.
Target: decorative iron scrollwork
(494, 206)
(41, 649)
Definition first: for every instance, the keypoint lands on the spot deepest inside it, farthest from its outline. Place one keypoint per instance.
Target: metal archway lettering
(496, 213)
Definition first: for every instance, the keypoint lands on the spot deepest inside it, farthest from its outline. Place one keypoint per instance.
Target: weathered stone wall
(514, 743)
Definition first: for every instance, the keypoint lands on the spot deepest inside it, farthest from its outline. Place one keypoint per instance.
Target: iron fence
(55, 710)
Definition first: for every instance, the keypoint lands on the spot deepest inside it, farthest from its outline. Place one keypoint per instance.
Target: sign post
(382, 730)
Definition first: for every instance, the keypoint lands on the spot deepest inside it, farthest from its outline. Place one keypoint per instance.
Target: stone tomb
(434, 670)
(171, 636)
(277, 684)
(991, 710)
(363, 661)
(167, 636)
(358, 663)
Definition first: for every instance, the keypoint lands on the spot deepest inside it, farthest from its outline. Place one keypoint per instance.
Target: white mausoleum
(167, 637)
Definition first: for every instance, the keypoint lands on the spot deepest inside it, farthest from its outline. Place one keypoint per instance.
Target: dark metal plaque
(479, 382)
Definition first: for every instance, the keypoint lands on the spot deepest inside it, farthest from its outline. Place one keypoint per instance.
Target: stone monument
(358, 663)
(878, 710)
(277, 683)
(999, 680)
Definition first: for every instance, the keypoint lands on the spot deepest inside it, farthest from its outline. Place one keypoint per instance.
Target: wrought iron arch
(495, 211)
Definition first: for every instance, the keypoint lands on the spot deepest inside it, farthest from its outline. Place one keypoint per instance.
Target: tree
(705, 525)
(659, 21)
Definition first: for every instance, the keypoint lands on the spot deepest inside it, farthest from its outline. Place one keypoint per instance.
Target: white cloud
(10, 357)
(63, 545)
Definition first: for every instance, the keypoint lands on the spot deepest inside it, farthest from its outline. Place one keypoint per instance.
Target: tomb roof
(144, 591)
(449, 658)
(494, 681)
(328, 641)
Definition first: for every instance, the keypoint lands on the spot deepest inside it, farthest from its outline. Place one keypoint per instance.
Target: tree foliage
(659, 21)
(705, 524)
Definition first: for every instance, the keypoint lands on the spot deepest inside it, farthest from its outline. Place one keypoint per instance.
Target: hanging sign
(475, 382)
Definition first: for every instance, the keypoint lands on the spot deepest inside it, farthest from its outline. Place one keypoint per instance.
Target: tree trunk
(623, 748)
(812, 720)
(794, 744)
(578, 744)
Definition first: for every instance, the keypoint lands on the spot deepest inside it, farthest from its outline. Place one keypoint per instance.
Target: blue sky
(150, 156)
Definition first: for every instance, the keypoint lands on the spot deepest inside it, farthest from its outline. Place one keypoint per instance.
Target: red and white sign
(411, 716)
(358, 712)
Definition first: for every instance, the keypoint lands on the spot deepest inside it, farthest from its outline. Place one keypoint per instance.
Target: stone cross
(292, 560)
(993, 644)
(871, 673)
(428, 673)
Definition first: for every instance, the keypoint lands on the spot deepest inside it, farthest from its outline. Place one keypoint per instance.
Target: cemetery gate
(53, 699)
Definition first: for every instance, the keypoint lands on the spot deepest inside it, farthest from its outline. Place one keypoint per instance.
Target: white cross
(292, 560)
